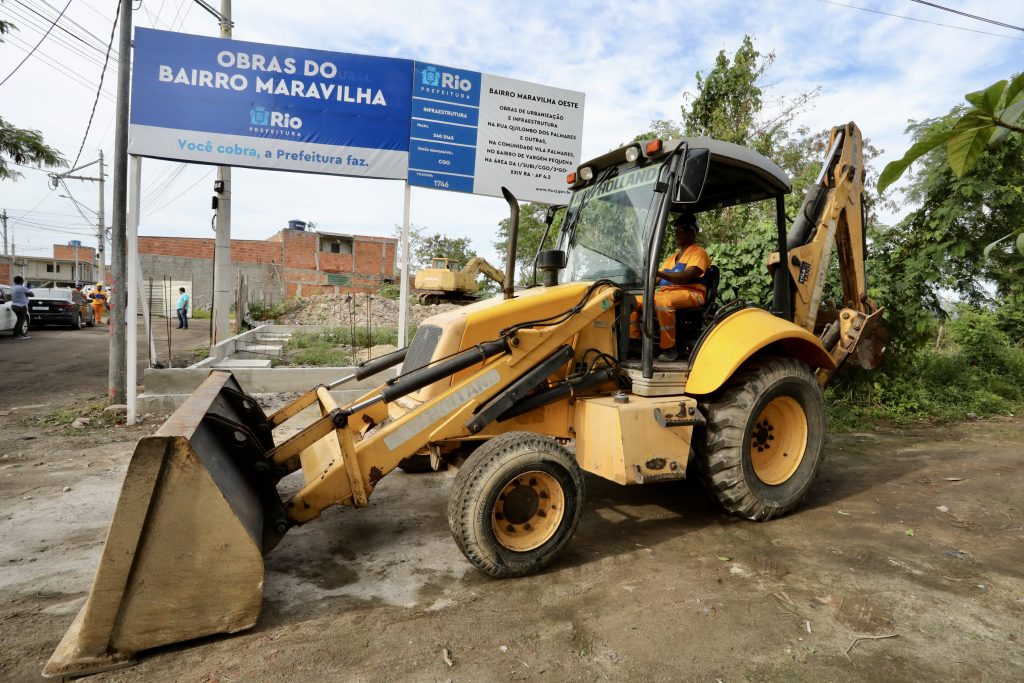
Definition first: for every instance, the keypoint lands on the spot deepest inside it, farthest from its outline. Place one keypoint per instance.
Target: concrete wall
(264, 283)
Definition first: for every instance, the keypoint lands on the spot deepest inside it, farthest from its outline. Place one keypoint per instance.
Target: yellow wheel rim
(528, 511)
(778, 440)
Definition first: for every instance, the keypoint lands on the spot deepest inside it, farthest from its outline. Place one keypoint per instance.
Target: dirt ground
(59, 363)
(905, 563)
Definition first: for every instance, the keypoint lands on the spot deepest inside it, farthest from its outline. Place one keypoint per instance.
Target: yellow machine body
(739, 337)
(631, 440)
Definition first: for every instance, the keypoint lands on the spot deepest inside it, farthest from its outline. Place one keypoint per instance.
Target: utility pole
(117, 370)
(3, 222)
(101, 253)
(222, 280)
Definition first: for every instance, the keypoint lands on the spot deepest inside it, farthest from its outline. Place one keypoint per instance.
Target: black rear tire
(76, 322)
(515, 503)
(765, 439)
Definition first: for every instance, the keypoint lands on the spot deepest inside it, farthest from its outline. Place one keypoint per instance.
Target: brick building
(293, 262)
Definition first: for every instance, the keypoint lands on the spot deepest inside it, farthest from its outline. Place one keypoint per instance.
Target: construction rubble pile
(357, 310)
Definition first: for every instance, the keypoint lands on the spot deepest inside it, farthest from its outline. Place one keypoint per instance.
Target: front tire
(765, 439)
(515, 504)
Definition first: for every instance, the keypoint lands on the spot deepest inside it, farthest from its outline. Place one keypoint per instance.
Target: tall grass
(337, 346)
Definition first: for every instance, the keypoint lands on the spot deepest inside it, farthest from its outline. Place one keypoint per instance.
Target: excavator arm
(479, 264)
(831, 219)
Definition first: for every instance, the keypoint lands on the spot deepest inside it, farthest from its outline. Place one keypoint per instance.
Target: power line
(37, 44)
(98, 40)
(99, 88)
(23, 19)
(74, 201)
(56, 66)
(97, 45)
(922, 21)
(177, 196)
(965, 14)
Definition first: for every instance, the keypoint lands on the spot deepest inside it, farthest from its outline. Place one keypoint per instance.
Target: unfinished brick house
(293, 262)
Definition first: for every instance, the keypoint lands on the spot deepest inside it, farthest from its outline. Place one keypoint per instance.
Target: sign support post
(132, 288)
(403, 286)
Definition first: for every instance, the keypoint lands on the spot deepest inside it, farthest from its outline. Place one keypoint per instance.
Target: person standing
(19, 304)
(99, 303)
(183, 301)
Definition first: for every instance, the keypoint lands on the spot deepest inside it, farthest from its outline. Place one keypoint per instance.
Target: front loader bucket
(183, 555)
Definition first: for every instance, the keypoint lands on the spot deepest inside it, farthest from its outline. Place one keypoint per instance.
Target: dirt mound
(357, 310)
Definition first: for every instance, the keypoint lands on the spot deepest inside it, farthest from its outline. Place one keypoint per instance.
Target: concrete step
(233, 363)
(257, 351)
(273, 337)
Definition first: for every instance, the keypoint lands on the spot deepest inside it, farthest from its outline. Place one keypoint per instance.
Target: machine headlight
(586, 174)
(632, 154)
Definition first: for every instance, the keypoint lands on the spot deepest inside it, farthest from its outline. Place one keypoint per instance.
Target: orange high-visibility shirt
(693, 255)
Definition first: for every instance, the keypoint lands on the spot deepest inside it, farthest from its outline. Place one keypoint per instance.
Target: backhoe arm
(832, 216)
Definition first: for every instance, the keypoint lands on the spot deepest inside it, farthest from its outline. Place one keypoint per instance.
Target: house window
(336, 245)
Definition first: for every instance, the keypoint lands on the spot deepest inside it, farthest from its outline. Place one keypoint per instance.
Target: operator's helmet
(99, 285)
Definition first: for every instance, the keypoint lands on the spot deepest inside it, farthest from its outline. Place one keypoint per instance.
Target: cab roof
(736, 174)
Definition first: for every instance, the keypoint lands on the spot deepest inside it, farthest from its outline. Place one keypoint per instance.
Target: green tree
(423, 246)
(994, 115)
(436, 245)
(22, 146)
(942, 244)
(532, 217)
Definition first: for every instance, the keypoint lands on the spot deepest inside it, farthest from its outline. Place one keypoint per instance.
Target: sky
(633, 60)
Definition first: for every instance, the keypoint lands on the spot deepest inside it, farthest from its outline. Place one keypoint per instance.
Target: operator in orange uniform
(99, 302)
(678, 285)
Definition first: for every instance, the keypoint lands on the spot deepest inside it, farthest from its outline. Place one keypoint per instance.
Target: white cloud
(633, 60)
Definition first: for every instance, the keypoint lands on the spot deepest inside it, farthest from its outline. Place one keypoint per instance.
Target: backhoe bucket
(183, 555)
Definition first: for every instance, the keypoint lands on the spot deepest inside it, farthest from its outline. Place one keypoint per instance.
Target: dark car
(60, 306)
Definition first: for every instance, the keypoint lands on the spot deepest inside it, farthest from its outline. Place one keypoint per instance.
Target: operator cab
(617, 225)
(445, 264)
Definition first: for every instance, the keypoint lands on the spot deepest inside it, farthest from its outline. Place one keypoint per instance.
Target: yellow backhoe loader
(500, 389)
(445, 281)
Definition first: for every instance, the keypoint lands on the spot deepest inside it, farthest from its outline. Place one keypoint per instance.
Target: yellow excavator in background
(499, 389)
(445, 282)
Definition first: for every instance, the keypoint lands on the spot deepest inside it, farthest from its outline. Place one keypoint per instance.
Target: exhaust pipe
(513, 239)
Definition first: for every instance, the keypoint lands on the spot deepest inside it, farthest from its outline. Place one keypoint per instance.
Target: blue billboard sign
(237, 103)
(210, 100)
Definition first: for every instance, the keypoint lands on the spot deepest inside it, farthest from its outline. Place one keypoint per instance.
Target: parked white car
(7, 317)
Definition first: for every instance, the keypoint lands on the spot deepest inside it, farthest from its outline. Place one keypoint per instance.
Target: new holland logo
(259, 116)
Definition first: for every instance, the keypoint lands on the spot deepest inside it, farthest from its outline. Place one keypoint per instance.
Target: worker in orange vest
(99, 302)
(679, 285)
